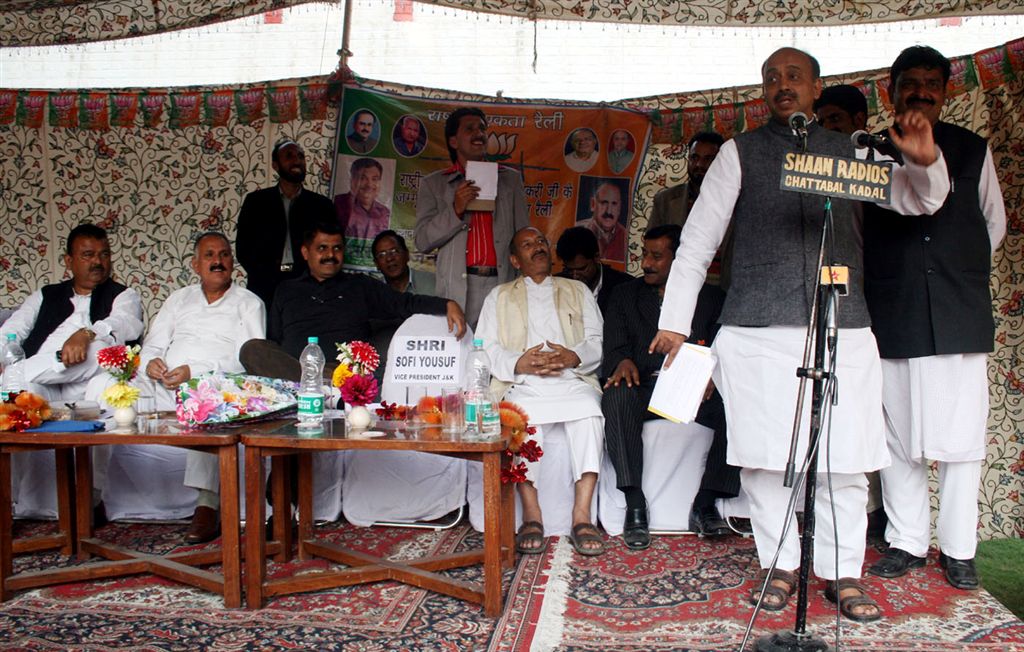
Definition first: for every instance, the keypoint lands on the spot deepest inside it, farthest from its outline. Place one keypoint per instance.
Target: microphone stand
(825, 301)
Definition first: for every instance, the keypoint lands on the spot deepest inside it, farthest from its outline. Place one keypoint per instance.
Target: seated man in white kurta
(543, 337)
(200, 329)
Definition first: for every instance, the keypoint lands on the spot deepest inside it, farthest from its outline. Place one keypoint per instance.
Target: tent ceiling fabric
(737, 13)
(60, 22)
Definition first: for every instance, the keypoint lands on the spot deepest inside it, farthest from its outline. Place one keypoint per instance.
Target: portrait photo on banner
(602, 205)
(409, 135)
(363, 190)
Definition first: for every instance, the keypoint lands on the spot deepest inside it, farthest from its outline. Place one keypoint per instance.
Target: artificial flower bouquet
(221, 399)
(25, 410)
(357, 361)
(122, 363)
(522, 448)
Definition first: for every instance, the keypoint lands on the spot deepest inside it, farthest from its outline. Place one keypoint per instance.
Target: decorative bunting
(152, 104)
(123, 107)
(31, 107)
(8, 106)
(249, 105)
(94, 112)
(99, 110)
(283, 104)
(993, 66)
(963, 77)
(184, 110)
(64, 109)
(313, 102)
(217, 108)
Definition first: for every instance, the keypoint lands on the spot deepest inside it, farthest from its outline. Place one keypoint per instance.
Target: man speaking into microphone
(776, 234)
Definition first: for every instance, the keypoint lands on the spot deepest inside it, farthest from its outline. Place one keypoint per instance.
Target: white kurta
(916, 189)
(565, 398)
(48, 377)
(205, 336)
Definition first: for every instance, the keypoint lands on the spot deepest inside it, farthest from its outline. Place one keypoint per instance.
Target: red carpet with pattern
(682, 594)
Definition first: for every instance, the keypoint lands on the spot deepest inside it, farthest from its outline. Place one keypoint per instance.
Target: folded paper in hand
(679, 390)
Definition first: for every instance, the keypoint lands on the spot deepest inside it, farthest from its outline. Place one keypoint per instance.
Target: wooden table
(498, 551)
(78, 534)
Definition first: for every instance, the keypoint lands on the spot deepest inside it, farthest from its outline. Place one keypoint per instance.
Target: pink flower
(359, 390)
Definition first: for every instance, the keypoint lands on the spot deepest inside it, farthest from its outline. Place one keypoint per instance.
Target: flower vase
(358, 416)
(124, 417)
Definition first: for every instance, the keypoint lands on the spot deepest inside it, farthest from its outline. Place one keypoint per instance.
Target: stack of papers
(679, 390)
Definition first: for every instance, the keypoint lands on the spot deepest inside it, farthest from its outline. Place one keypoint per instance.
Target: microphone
(798, 123)
(862, 139)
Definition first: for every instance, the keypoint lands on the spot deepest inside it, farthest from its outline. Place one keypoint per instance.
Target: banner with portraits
(580, 166)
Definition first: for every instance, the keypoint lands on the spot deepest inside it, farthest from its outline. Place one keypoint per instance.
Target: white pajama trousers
(768, 502)
(936, 408)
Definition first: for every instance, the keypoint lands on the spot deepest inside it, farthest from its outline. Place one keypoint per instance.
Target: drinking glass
(453, 410)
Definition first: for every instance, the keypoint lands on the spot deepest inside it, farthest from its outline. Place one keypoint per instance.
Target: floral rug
(686, 593)
(682, 594)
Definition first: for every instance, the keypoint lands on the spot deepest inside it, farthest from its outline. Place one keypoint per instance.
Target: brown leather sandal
(779, 594)
(849, 603)
(530, 539)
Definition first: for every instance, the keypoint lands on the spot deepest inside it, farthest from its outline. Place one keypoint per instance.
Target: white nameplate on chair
(425, 360)
(680, 389)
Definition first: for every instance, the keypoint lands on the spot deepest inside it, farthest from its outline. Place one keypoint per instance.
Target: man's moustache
(650, 271)
(96, 268)
(539, 253)
(218, 268)
(328, 261)
(921, 100)
(785, 95)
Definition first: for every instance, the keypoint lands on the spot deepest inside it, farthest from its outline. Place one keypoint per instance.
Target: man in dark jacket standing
(272, 221)
(927, 288)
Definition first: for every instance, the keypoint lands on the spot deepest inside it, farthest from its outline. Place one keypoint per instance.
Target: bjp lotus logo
(500, 146)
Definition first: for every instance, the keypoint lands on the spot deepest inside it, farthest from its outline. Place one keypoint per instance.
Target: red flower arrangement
(521, 448)
(354, 374)
(121, 362)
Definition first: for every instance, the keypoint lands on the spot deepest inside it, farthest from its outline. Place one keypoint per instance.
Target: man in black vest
(630, 323)
(927, 287)
(760, 344)
(272, 221)
(62, 326)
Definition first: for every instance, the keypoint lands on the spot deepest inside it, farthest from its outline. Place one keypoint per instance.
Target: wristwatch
(90, 332)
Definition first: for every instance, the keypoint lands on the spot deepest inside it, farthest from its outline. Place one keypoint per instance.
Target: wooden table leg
(6, 526)
(231, 563)
(66, 513)
(255, 514)
(492, 533)
(305, 500)
(83, 496)
(508, 525)
(280, 494)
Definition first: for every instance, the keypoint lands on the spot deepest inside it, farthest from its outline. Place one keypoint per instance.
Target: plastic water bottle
(311, 389)
(14, 376)
(482, 417)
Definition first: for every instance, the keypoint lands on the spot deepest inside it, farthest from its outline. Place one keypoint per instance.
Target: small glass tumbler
(453, 410)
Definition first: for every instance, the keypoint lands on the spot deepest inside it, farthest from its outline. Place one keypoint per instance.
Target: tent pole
(344, 53)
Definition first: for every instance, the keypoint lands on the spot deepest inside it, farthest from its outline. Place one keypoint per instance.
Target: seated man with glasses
(391, 256)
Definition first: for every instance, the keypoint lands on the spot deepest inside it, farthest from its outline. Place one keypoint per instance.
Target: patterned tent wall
(49, 22)
(156, 187)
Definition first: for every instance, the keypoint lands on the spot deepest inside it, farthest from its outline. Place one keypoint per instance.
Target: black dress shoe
(895, 563)
(707, 522)
(205, 526)
(961, 573)
(635, 532)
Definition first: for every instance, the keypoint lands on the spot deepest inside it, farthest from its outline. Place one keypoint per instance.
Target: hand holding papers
(680, 388)
(485, 177)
